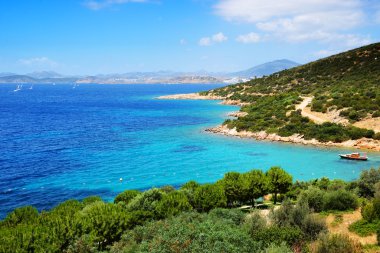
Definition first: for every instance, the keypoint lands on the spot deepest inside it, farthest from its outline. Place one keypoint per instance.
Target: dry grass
(342, 227)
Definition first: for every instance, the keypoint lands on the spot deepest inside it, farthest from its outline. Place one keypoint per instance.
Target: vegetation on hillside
(200, 218)
(348, 82)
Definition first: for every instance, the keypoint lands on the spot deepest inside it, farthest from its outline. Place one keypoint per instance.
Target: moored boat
(355, 156)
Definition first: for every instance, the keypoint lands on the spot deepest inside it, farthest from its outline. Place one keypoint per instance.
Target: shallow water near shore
(58, 143)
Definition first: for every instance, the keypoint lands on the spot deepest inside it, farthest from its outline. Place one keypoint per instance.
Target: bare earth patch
(342, 228)
(333, 116)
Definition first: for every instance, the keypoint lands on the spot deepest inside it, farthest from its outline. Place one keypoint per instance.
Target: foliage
(313, 197)
(209, 196)
(347, 82)
(274, 234)
(26, 215)
(146, 201)
(255, 185)
(103, 222)
(233, 187)
(339, 200)
(279, 181)
(367, 181)
(188, 232)
(336, 243)
(126, 196)
(172, 204)
(299, 216)
(364, 227)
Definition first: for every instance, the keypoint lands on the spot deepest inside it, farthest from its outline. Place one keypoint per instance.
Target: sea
(60, 142)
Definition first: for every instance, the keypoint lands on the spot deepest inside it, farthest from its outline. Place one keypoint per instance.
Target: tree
(367, 181)
(172, 204)
(233, 187)
(279, 181)
(255, 185)
(209, 196)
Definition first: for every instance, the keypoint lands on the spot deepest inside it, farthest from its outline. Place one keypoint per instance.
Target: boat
(18, 88)
(31, 87)
(355, 156)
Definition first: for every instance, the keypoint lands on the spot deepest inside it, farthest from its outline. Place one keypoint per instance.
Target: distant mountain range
(266, 69)
(151, 77)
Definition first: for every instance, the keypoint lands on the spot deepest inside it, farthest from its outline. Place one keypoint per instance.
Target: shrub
(254, 223)
(146, 201)
(126, 196)
(340, 200)
(368, 212)
(313, 197)
(173, 203)
(367, 181)
(313, 226)
(274, 248)
(336, 243)
(277, 235)
(209, 196)
(236, 216)
(103, 222)
(364, 228)
(90, 200)
(26, 215)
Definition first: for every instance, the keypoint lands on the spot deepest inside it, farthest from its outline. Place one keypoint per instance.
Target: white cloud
(182, 42)
(98, 5)
(206, 41)
(38, 62)
(216, 38)
(249, 38)
(298, 20)
(219, 37)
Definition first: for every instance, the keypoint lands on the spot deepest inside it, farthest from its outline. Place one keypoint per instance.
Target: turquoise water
(59, 143)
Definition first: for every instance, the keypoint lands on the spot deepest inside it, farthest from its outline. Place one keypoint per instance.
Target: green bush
(105, 223)
(364, 228)
(173, 203)
(340, 200)
(336, 243)
(126, 196)
(313, 197)
(209, 196)
(274, 234)
(26, 215)
(188, 232)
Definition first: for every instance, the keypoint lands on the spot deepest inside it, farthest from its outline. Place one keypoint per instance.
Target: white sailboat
(18, 88)
(31, 87)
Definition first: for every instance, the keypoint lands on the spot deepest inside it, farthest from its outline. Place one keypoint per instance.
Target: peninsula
(332, 102)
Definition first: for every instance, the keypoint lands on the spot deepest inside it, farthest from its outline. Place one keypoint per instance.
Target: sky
(87, 37)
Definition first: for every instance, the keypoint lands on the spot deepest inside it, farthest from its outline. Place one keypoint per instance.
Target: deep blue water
(57, 143)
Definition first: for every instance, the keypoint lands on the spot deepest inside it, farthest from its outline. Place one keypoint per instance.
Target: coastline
(363, 143)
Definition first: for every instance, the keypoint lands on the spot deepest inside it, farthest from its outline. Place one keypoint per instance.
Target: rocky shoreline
(363, 143)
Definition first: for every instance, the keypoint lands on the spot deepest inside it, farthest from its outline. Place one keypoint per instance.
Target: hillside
(346, 85)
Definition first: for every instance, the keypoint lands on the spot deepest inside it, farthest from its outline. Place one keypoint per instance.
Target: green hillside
(348, 82)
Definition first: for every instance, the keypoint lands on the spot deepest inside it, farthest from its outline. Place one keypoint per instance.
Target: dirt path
(342, 228)
(318, 117)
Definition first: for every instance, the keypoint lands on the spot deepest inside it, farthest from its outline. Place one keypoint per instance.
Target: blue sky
(116, 36)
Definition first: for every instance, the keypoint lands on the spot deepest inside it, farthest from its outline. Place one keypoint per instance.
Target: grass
(335, 212)
(371, 248)
(337, 220)
(364, 228)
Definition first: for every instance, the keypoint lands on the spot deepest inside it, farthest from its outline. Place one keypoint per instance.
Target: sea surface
(59, 142)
